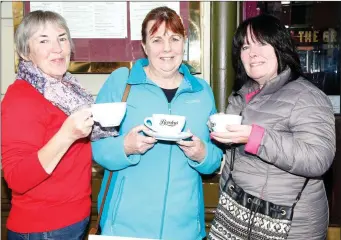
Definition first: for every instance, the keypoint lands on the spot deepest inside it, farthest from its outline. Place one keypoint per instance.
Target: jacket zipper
(168, 173)
(199, 200)
(169, 160)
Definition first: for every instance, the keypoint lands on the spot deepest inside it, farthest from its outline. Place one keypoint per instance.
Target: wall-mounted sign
(309, 36)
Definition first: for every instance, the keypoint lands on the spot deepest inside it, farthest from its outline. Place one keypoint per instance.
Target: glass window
(315, 28)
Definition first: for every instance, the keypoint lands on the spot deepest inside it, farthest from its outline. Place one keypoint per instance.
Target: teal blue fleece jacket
(158, 194)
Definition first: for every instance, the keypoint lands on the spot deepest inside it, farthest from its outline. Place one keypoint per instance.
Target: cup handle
(94, 116)
(209, 125)
(147, 124)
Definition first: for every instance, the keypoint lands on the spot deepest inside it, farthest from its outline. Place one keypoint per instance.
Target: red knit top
(40, 201)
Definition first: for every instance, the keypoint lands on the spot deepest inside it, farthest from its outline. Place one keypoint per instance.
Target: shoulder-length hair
(265, 29)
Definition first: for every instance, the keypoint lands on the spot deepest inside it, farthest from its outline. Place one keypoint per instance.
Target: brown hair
(160, 15)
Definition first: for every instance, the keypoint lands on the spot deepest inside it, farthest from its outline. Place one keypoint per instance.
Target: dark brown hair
(266, 29)
(160, 15)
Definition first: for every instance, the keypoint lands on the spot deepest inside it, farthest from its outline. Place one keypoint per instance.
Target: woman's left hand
(195, 149)
(234, 134)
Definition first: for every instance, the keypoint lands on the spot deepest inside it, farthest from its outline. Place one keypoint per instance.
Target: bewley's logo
(172, 123)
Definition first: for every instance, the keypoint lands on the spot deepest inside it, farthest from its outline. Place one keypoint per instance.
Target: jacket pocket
(117, 203)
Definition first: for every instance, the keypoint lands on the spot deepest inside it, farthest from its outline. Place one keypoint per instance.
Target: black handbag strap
(233, 154)
(94, 230)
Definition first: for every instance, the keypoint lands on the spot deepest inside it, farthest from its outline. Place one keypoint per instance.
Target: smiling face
(50, 50)
(164, 49)
(259, 59)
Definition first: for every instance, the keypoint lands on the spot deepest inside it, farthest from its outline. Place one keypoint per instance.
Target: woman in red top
(46, 123)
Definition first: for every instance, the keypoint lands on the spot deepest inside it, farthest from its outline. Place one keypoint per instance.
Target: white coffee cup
(219, 121)
(109, 114)
(165, 123)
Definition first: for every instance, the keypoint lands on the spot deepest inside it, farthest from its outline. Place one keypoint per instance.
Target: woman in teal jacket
(156, 190)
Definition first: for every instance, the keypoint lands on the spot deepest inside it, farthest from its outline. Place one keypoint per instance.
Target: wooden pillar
(223, 26)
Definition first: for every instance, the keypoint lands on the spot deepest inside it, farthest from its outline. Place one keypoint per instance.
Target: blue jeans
(73, 232)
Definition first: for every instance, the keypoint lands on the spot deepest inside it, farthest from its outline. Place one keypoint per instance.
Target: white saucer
(170, 136)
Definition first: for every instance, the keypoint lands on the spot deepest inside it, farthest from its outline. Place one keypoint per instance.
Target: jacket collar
(269, 87)
(138, 76)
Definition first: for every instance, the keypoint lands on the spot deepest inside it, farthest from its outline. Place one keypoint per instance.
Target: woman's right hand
(78, 125)
(135, 143)
(235, 134)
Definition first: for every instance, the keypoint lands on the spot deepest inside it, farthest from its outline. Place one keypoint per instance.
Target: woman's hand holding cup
(78, 125)
(234, 134)
(195, 149)
(227, 128)
(135, 143)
